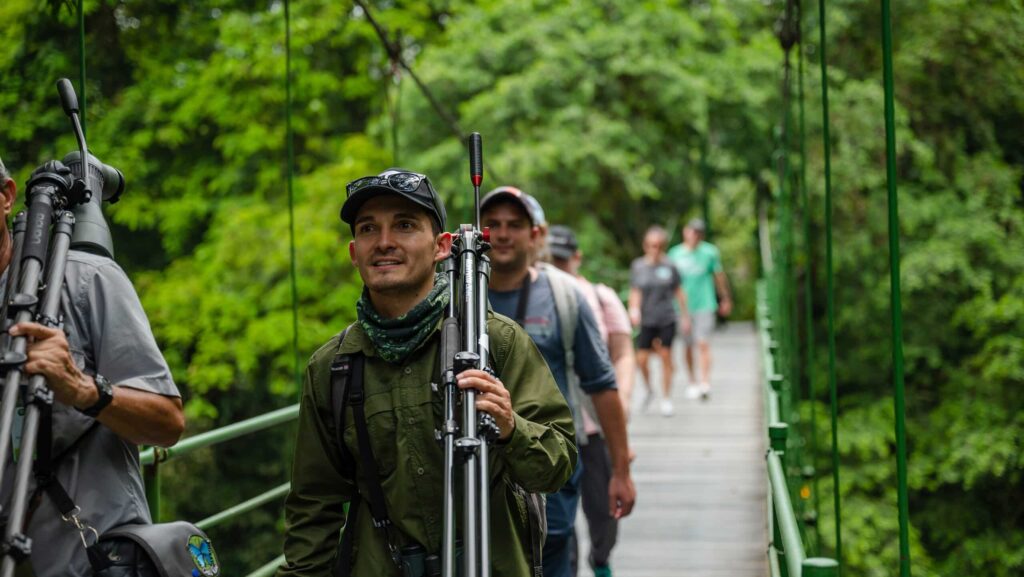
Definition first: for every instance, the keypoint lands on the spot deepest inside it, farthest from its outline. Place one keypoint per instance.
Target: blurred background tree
(616, 114)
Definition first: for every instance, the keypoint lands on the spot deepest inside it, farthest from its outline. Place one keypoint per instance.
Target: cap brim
(350, 209)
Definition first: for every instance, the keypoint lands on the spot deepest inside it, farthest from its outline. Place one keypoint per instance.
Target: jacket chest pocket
(381, 427)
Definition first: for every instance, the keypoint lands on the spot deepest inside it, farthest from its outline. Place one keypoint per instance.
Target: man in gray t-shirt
(108, 366)
(654, 284)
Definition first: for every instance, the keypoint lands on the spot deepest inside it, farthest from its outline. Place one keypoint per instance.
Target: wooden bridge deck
(700, 475)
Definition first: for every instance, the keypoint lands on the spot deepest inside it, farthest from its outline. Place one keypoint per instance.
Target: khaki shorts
(702, 324)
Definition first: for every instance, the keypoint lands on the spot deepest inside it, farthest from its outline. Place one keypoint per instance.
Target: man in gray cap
(548, 304)
(397, 221)
(700, 266)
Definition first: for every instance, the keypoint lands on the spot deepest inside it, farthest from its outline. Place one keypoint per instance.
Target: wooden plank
(700, 474)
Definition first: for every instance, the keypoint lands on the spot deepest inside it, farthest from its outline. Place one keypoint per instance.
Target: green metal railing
(786, 551)
(779, 322)
(152, 458)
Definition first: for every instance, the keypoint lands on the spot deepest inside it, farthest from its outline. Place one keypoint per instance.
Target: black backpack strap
(45, 471)
(341, 368)
(347, 389)
(371, 474)
(45, 464)
(343, 564)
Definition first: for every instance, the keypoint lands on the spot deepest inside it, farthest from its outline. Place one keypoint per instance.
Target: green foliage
(962, 217)
(194, 115)
(608, 116)
(616, 114)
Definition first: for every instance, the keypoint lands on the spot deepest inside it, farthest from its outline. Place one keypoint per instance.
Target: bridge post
(777, 433)
(819, 567)
(151, 480)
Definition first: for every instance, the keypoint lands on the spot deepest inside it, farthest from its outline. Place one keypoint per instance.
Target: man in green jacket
(397, 222)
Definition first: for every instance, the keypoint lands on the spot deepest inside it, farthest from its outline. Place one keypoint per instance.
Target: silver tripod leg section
(483, 469)
(485, 513)
(448, 544)
(451, 343)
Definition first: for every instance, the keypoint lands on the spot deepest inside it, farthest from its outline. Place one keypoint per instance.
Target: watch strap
(106, 395)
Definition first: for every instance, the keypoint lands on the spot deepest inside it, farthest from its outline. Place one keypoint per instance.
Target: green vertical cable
(830, 288)
(788, 293)
(395, 121)
(808, 297)
(81, 63)
(291, 193)
(705, 181)
(791, 303)
(782, 272)
(894, 281)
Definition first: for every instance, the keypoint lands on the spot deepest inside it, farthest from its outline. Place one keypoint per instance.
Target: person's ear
(352, 252)
(8, 193)
(442, 246)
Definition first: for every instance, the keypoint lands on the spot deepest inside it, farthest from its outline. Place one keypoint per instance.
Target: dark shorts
(647, 335)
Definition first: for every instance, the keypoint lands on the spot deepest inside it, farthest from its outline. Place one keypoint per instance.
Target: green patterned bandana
(394, 339)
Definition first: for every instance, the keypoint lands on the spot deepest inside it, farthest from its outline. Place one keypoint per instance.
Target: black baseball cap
(405, 183)
(562, 242)
(533, 209)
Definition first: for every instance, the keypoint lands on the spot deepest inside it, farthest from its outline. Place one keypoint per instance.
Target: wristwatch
(106, 391)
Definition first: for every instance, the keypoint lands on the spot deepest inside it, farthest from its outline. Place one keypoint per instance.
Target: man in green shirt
(700, 267)
(397, 222)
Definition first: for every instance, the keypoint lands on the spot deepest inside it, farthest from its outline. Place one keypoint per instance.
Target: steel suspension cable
(787, 306)
(830, 288)
(81, 63)
(808, 296)
(290, 144)
(894, 282)
(782, 272)
(394, 108)
(395, 53)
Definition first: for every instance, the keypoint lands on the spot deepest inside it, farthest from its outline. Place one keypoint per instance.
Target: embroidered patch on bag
(203, 556)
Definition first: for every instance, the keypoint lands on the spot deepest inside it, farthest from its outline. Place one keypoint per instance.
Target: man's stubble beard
(389, 287)
(520, 263)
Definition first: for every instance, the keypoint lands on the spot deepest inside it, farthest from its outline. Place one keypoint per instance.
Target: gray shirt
(592, 364)
(657, 283)
(108, 333)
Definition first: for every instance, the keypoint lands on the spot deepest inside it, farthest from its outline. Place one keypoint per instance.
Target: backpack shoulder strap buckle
(342, 364)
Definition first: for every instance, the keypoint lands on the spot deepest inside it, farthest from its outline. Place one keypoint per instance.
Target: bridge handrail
(787, 555)
(151, 458)
(209, 438)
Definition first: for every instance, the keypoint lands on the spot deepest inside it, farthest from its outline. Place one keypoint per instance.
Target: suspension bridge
(723, 485)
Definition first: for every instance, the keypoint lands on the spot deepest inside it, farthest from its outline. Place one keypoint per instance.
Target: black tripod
(42, 237)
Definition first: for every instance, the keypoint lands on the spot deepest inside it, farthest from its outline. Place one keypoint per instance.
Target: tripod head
(98, 182)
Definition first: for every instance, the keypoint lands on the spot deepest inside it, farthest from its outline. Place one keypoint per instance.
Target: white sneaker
(666, 408)
(692, 392)
(645, 405)
(705, 391)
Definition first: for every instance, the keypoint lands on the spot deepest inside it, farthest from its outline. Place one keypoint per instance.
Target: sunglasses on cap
(412, 185)
(397, 181)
